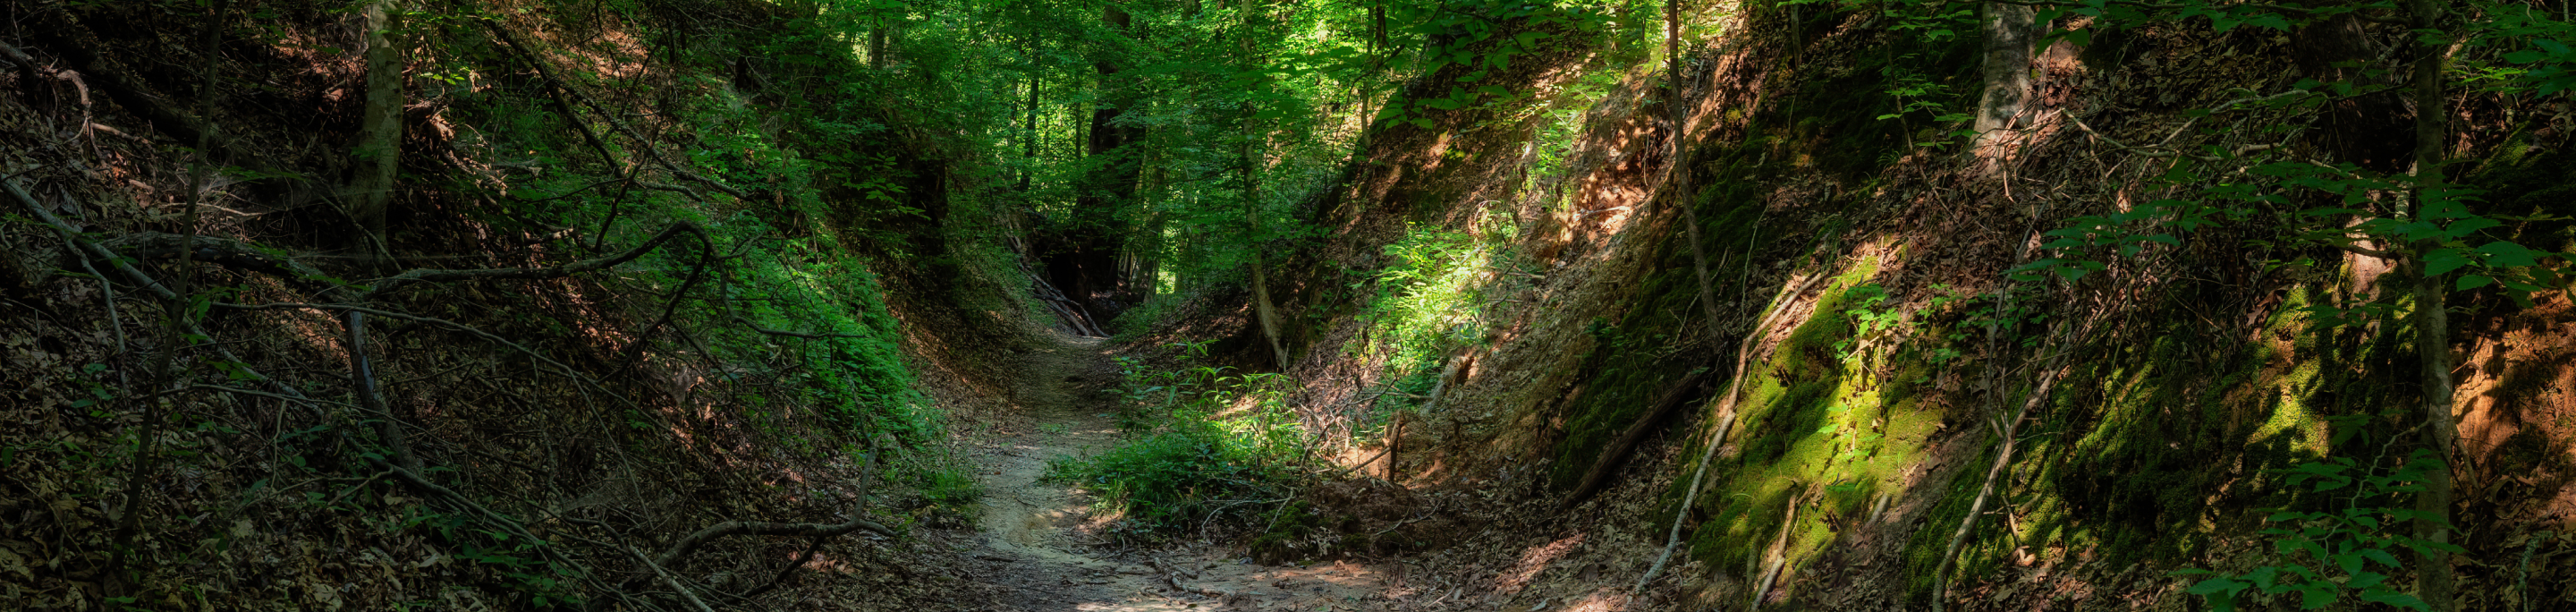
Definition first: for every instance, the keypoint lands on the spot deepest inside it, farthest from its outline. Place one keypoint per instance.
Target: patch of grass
(1172, 480)
(952, 491)
(1204, 444)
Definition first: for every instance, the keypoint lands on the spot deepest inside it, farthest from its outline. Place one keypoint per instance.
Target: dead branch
(554, 89)
(68, 38)
(219, 251)
(724, 294)
(783, 573)
(1616, 453)
(388, 285)
(706, 255)
(558, 88)
(71, 235)
(2003, 458)
(362, 377)
(867, 471)
(469, 329)
(1726, 408)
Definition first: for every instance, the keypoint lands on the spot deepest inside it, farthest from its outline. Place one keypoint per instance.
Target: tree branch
(867, 471)
(706, 255)
(649, 152)
(220, 251)
(387, 285)
(479, 333)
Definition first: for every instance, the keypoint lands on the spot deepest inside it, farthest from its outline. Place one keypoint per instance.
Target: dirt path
(1036, 540)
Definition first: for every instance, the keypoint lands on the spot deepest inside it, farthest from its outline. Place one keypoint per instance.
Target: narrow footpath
(1042, 543)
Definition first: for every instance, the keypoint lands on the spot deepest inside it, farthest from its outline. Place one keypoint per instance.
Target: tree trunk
(2007, 73)
(379, 135)
(1030, 135)
(1682, 196)
(1084, 262)
(2432, 318)
(877, 47)
(1264, 310)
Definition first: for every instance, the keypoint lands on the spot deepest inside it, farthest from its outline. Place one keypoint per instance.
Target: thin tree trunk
(166, 363)
(1263, 308)
(877, 47)
(380, 134)
(1677, 104)
(1030, 135)
(2432, 319)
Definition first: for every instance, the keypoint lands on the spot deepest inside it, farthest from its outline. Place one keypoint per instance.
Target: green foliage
(1219, 442)
(1429, 299)
(2338, 554)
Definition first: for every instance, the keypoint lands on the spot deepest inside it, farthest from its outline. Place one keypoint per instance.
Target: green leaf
(2471, 281)
(2507, 254)
(2443, 261)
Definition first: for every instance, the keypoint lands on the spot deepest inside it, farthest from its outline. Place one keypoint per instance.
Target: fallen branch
(774, 581)
(867, 471)
(124, 89)
(706, 255)
(362, 377)
(1616, 453)
(1726, 408)
(557, 85)
(219, 251)
(353, 308)
(140, 279)
(388, 285)
(724, 293)
(2003, 458)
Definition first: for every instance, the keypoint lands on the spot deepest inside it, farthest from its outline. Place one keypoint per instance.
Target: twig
(242, 391)
(774, 581)
(706, 255)
(2003, 458)
(613, 123)
(362, 483)
(115, 322)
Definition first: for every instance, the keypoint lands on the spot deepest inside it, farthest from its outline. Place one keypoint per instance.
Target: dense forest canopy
(1324, 304)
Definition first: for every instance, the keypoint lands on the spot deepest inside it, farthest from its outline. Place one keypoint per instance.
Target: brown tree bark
(380, 132)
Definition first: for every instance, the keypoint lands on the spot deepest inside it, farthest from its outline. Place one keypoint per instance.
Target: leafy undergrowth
(1206, 447)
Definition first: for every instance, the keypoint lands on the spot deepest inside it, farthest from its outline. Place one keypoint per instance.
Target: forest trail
(1041, 544)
